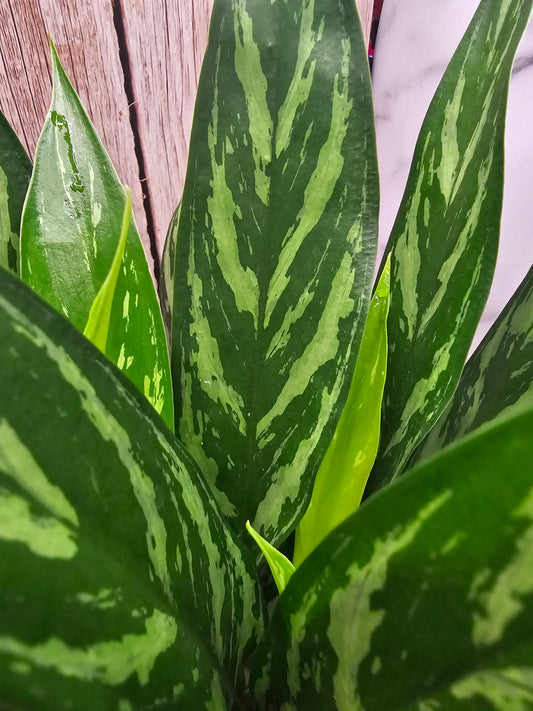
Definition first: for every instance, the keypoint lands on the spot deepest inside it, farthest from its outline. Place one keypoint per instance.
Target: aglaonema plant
(132, 474)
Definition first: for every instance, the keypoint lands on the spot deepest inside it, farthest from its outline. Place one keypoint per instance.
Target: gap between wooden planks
(135, 65)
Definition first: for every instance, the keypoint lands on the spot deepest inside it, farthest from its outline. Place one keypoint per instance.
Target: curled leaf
(280, 566)
(97, 327)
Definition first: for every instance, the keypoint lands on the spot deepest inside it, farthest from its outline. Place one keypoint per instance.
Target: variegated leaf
(276, 243)
(445, 238)
(69, 235)
(166, 280)
(498, 375)
(343, 473)
(423, 599)
(15, 172)
(121, 586)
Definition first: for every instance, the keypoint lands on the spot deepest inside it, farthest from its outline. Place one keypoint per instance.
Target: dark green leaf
(69, 236)
(341, 479)
(445, 238)
(121, 587)
(275, 249)
(166, 281)
(498, 375)
(423, 599)
(15, 172)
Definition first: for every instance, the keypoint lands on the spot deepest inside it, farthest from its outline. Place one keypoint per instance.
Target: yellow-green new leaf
(280, 566)
(97, 328)
(342, 477)
(70, 229)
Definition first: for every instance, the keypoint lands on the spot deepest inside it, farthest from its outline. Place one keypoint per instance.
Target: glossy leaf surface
(499, 375)
(69, 236)
(445, 238)
(15, 173)
(423, 599)
(344, 471)
(97, 327)
(280, 566)
(121, 587)
(275, 250)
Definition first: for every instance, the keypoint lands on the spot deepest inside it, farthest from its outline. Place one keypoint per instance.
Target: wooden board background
(135, 65)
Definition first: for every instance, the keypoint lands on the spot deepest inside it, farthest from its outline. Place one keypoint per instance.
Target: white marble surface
(416, 40)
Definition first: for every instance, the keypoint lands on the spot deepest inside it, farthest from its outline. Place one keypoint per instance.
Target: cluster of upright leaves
(424, 598)
(144, 594)
(135, 538)
(444, 241)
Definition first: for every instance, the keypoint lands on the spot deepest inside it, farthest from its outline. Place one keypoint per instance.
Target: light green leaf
(121, 586)
(15, 172)
(71, 226)
(499, 375)
(275, 250)
(97, 328)
(342, 477)
(445, 239)
(423, 599)
(280, 566)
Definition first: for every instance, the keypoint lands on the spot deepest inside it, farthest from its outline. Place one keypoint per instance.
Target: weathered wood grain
(24, 69)
(366, 8)
(84, 34)
(164, 73)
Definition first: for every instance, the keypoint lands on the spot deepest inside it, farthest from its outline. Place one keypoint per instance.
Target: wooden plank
(164, 73)
(84, 34)
(366, 8)
(24, 69)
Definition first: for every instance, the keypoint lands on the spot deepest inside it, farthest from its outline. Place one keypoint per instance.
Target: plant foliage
(142, 493)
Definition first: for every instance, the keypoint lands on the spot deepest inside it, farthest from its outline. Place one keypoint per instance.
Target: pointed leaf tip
(280, 566)
(71, 220)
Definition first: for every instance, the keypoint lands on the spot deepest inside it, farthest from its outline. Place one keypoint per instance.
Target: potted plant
(128, 577)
